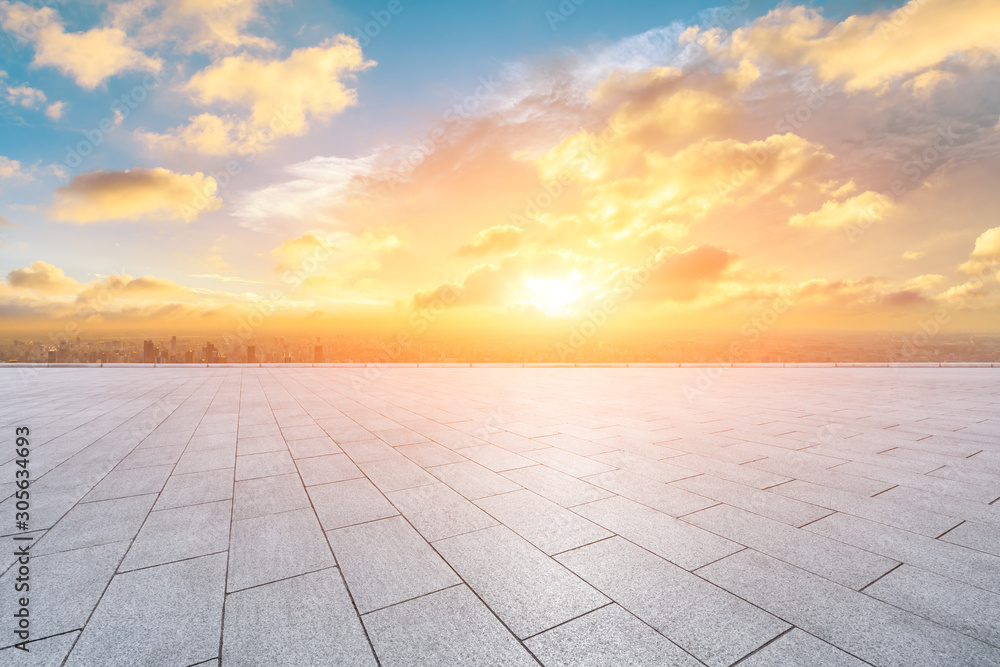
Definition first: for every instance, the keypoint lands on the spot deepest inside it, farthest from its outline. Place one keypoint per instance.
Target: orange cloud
(135, 194)
(43, 277)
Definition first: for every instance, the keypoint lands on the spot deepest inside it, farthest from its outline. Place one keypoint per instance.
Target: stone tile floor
(520, 516)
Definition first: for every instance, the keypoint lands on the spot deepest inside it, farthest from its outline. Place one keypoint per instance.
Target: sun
(553, 295)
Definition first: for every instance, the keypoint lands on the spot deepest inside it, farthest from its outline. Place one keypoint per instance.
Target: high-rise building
(251, 354)
(173, 345)
(189, 357)
(148, 352)
(318, 354)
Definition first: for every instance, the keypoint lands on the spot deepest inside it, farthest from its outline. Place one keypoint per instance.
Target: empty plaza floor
(757, 517)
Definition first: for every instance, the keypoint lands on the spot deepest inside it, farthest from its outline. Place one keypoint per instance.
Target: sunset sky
(668, 164)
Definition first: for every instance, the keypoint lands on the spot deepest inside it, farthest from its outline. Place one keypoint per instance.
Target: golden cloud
(863, 209)
(89, 57)
(42, 277)
(195, 25)
(135, 194)
(282, 97)
(868, 51)
(500, 238)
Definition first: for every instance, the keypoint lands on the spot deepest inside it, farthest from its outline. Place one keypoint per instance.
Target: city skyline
(258, 168)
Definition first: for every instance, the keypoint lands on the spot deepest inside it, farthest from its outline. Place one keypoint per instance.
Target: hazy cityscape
(381, 348)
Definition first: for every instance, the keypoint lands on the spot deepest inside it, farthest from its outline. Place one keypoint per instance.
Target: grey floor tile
(268, 495)
(427, 454)
(350, 502)
(767, 504)
(92, 524)
(260, 444)
(180, 533)
(386, 562)
(969, 610)
(660, 471)
(276, 546)
(130, 482)
(200, 460)
(172, 615)
(713, 625)
(558, 487)
(548, 526)
(308, 447)
(396, 474)
(496, 458)
(449, 627)
(972, 567)
(677, 541)
(846, 565)
(472, 480)
(665, 498)
(867, 628)
(975, 536)
(798, 648)
(268, 464)
(326, 469)
(47, 652)
(307, 620)
(567, 462)
(370, 449)
(196, 488)
(528, 590)
(607, 637)
(64, 588)
(877, 509)
(438, 512)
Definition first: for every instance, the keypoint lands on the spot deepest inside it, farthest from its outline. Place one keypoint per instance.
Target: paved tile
(607, 637)
(268, 464)
(438, 512)
(276, 546)
(449, 627)
(846, 565)
(396, 474)
(558, 487)
(307, 620)
(180, 533)
(715, 626)
(196, 488)
(47, 652)
(172, 615)
(326, 469)
(350, 502)
(545, 524)
(386, 562)
(677, 541)
(473, 480)
(969, 610)
(64, 589)
(93, 524)
(867, 628)
(772, 483)
(527, 590)
(268, 495)
(798, 648)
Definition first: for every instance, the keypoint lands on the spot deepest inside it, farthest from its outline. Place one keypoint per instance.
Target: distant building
(251, 354)
(173, 345)
(189, 357)
(148, 352)
(318, 354)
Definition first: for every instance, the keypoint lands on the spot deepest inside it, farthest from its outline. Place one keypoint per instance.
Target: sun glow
(553, 296)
